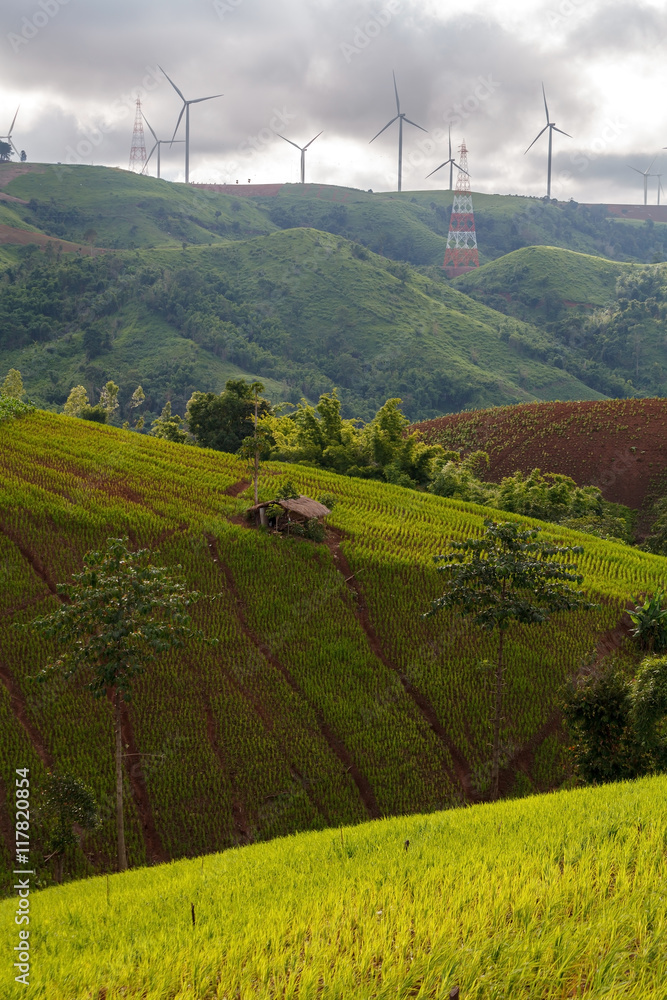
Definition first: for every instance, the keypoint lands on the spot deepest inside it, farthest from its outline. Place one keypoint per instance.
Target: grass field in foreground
(552, 897)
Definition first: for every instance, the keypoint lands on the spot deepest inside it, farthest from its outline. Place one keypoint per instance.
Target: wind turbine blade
(386, 127)
(398, 106)
(288, 140)
(536, 138)
(561, 132)
(11, 127)
(149, 126)
(647, 169)
(313, 139)
(148, 157)
(545, 102)
(437, 168)
(450, 143)
(173, 84)
(635, 170)
(460, 168)
(178, 122)
(198, 100)
(415, 124)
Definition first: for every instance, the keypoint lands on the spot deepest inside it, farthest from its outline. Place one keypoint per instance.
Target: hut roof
(299, 505)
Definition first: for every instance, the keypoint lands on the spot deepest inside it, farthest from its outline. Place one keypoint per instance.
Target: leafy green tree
(66, 802)
(650, 621)
(508, 575)
(121, 612)
(223, 421)
(5, 151)
(76, 401)
(12, 387)
(109, 399)
(138, 399)
(616, 723)
(169, 426)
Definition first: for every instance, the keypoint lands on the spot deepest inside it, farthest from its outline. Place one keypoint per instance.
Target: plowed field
(619, 445)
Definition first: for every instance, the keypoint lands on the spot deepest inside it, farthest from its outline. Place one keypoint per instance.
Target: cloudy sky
(301, 66)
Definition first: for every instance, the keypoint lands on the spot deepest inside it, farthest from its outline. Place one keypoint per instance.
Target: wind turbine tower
(461, 253)
(645, 174)
(159, 143)
(303, 152)
(452, 163)
(186, 109)
(552, 128)
(400, 117)
(138, 147)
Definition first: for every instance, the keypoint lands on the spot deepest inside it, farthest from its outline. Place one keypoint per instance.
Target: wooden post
(454, 993)
(263, 519)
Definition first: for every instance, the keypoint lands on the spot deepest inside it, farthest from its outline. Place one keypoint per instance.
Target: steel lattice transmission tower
(138, 147)
(461, 253)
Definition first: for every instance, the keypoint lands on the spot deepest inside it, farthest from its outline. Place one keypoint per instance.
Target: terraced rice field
(328, 699)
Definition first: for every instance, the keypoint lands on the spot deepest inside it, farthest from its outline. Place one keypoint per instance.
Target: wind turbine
(8, 137)
(186, 109)
(660, 187)
(645, 174)
(552, 128)
(303, 152)
(452, 163)
(158, 143)
(400, 117)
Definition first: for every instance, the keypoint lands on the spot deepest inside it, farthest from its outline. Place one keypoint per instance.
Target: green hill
(303, 310)
(550, 897)
(125, 210)
(329, 699)
(607, 318)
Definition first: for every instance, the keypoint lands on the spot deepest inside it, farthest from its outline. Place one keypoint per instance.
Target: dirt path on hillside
(334, 741)
(461, 767)
(524, 759)
(20, 710)
(33, 559)
(135, 772)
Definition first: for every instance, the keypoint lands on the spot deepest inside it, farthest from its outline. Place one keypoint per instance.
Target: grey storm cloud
(298, 67)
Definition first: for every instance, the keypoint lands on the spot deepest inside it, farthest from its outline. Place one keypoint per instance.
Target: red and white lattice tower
(138, 147)
(461, 253)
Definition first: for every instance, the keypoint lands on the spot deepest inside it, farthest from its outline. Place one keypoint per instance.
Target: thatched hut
(280, 514)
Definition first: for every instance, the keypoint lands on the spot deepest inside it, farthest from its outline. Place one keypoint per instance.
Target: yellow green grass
(549, 898)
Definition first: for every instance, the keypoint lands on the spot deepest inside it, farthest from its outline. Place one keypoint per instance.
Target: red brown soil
(10, 234)
(20, 710)
(619, 445)
(10, 171)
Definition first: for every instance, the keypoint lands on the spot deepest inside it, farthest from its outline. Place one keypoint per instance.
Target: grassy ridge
(305, 715)
(548, 898)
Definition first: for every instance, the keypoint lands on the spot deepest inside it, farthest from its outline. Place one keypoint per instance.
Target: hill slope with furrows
(328, 700)
(619, 445)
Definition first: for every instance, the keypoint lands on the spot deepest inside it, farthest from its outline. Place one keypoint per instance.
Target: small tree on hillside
(508, 576)
(12, 387)
(67, 802)
(121, 612)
